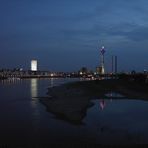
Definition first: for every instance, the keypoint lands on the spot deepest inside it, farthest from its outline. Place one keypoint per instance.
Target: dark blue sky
(64, 35)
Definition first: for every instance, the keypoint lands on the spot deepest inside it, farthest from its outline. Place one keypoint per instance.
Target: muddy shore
(70, 101)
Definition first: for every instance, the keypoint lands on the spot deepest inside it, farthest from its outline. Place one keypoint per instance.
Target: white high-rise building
(33, 65)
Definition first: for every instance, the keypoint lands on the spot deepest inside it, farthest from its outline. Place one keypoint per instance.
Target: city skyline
(67, 35)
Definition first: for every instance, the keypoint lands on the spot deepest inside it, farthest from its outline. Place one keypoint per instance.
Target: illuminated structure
(102, 52)
(101, 69)
(33, 65)
(102, 104)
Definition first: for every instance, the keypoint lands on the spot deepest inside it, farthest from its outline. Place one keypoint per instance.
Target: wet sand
(70, 101)
(69, 104)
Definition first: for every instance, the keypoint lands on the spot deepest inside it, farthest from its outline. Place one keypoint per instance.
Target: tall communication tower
(102, 52)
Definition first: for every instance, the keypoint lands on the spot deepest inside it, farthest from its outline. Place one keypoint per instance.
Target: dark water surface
(23, 119)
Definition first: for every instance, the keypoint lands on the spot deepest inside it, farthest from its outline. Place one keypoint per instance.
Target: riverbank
(98, 88)
(67, 103)
(71, 101)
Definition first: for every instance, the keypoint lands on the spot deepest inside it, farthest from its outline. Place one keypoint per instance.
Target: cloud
(131, 32)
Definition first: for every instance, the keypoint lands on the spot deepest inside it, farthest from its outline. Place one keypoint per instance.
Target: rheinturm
(102, 52)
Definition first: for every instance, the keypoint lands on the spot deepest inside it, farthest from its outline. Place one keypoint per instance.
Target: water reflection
(122, 121)
(114, 95)
(34, 88)
(11, 81)
(51, 82)
(109, 98)
(102, 104)
(73, 108)
(34, 92)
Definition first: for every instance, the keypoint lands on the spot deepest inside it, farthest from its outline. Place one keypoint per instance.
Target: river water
(24, 120)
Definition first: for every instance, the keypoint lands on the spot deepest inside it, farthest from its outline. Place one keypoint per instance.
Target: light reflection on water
(109, 97)
(109, 121)
(34, 95)
(34, 88)
(119, 122)
(34, 101)
(114, 95)
(51, 82)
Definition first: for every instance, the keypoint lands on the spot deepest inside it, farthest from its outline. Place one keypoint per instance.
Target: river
(24, 120)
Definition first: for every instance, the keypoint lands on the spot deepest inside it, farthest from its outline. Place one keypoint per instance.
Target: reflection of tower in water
(102, 104)
(110, 95)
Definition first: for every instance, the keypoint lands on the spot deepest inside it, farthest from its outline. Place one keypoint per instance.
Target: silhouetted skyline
(64, 35)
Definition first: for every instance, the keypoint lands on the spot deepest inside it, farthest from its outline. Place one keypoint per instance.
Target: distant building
(114, 65)
(83, 70)
(99, 70)
(34, 65)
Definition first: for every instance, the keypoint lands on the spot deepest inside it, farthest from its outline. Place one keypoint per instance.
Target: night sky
(64, 35)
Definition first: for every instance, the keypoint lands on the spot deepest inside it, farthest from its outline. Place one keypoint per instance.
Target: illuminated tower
(33, 65)
(102, 52)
